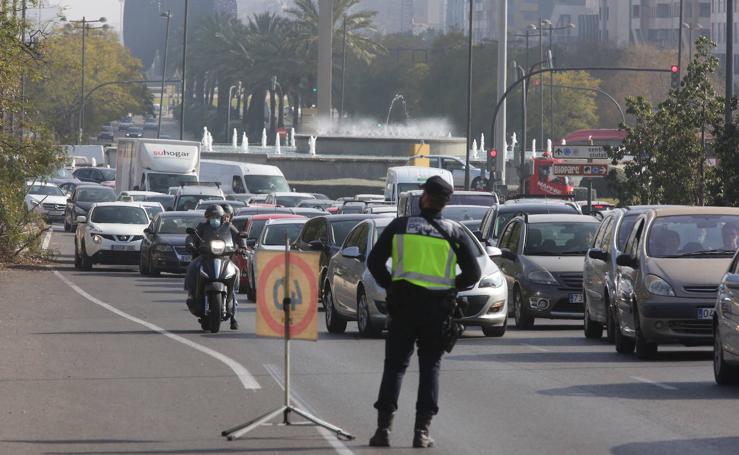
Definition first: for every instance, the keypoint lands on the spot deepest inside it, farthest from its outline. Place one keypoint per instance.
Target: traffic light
(492, 155)
(675, 76)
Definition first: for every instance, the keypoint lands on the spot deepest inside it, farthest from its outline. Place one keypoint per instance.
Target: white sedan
(110, 234)
(47, 199)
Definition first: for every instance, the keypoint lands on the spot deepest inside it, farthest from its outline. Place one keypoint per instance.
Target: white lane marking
(327, 435)
(535, 348)
(47, 239)
(247, 380)
(654, 383)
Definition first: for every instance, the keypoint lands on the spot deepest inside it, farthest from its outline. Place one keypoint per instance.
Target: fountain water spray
(312, 145)
(204, 141)
(548, 152)
(292, 137)
(482, 141)
(235, 140)
(533, 148)
(474, 149)
(264, 137)
(401, 98)
(245, 143)
(277, 143)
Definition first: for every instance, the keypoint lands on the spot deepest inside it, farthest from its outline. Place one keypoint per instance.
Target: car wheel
(77, 261)
(153, 271)
(479, 184)
(334, 322)
(67, 226)
(723, 373)
(645, 350)
(364, 321)
(85, 261)
(524, 321)
(495, 331)
(624, 344)
(593, 330)
(142, 267)
(610, 325)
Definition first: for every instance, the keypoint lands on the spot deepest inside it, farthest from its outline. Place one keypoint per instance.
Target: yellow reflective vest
(423, 257)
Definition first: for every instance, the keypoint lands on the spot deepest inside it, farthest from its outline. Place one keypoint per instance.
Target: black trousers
(416, 323)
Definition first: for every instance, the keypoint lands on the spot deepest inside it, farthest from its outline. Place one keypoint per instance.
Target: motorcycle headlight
(494, 280)
(658, 286)
(217, 247)
(541, 277)
(163, 248)
(96, 238)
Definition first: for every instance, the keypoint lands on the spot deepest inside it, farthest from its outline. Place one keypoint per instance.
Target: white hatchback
(110, 234)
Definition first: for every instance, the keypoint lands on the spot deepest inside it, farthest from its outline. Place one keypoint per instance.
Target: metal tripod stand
(286, 408)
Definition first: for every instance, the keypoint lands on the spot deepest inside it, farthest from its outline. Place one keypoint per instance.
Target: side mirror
(147, 231)
(81, 219)
(625, 260)
(251, 242)
(505, 253)
(351, 252)
(597, 254)
(493, 251)
(190, 231)
(732, 281)
(317, 245)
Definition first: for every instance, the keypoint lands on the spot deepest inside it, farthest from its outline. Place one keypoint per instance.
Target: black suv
(79, 203)
(94, 174)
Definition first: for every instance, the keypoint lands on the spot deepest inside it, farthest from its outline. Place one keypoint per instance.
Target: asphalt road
(110, 362)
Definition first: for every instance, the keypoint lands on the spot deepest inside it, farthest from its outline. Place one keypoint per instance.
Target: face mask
(214, 222)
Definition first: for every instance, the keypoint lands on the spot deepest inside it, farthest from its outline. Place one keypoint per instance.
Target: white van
(240, 178)
(406, 178)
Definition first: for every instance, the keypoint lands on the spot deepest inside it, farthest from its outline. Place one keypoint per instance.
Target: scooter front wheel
(215, 309)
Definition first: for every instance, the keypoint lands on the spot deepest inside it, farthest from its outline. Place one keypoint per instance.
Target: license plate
(56, 213)
(186, 258)
(576, 298)
(123, 247)
(705, 313)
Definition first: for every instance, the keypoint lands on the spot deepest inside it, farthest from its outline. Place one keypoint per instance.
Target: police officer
(425, 250)
(213, 227)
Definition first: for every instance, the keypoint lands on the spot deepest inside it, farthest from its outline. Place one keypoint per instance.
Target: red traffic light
(674, 69)
(493, 153)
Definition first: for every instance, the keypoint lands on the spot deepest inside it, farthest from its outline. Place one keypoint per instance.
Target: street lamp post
(551, 30)
(343, 68)
(85, 26)
(469, 102)
(168, 15)
(522, 158)
(691, 28)
(184, 72)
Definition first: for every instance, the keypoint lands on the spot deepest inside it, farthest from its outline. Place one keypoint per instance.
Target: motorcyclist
(212, 228)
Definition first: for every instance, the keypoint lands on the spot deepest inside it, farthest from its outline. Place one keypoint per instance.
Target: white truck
(155, 164)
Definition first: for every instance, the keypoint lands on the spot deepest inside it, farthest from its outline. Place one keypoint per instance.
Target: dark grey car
(499, 215)
(726, 327)
(79, 203)
(542, 260)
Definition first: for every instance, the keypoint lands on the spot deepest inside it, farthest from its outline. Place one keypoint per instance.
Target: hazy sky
(93, 9)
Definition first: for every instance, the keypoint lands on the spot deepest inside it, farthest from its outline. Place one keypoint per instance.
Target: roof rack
(216, 184)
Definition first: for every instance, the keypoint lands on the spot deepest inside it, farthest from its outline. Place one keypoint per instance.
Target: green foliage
(669, 158)
(55, 93)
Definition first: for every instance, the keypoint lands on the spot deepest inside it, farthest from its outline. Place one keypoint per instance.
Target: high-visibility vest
(424, 260)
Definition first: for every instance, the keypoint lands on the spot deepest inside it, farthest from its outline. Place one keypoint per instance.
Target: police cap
(436, 186)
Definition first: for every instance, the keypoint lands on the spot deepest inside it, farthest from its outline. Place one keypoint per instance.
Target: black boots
(234, 324)
(421, 437)
(381, 437)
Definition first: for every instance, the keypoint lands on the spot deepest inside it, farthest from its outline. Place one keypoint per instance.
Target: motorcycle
(216, 279)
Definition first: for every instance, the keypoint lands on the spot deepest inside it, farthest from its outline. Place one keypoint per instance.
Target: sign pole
(240, 430)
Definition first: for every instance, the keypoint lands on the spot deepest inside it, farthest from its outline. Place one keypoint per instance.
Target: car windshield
(693, 236)
(166, 201)
(153, 210)
(461, 213)
(63, 173)
(403, 187)
(265, 184)
(101, 194)
(161, 183)
(45, 190)
(559, 238)
(340, 229)
(503, 218)
(627, 222)
(117, 214)
(190, 201)
(275, 234)
(291, 201)
(178, 225)
(108, 174)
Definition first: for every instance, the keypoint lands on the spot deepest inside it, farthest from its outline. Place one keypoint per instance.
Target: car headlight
(541, 277)
(494, 280)
(217, 247)
(163, 248)
(96, 238)
(658, 286)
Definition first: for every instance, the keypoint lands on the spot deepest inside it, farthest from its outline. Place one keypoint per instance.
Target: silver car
(726, 327)
(352, 294)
